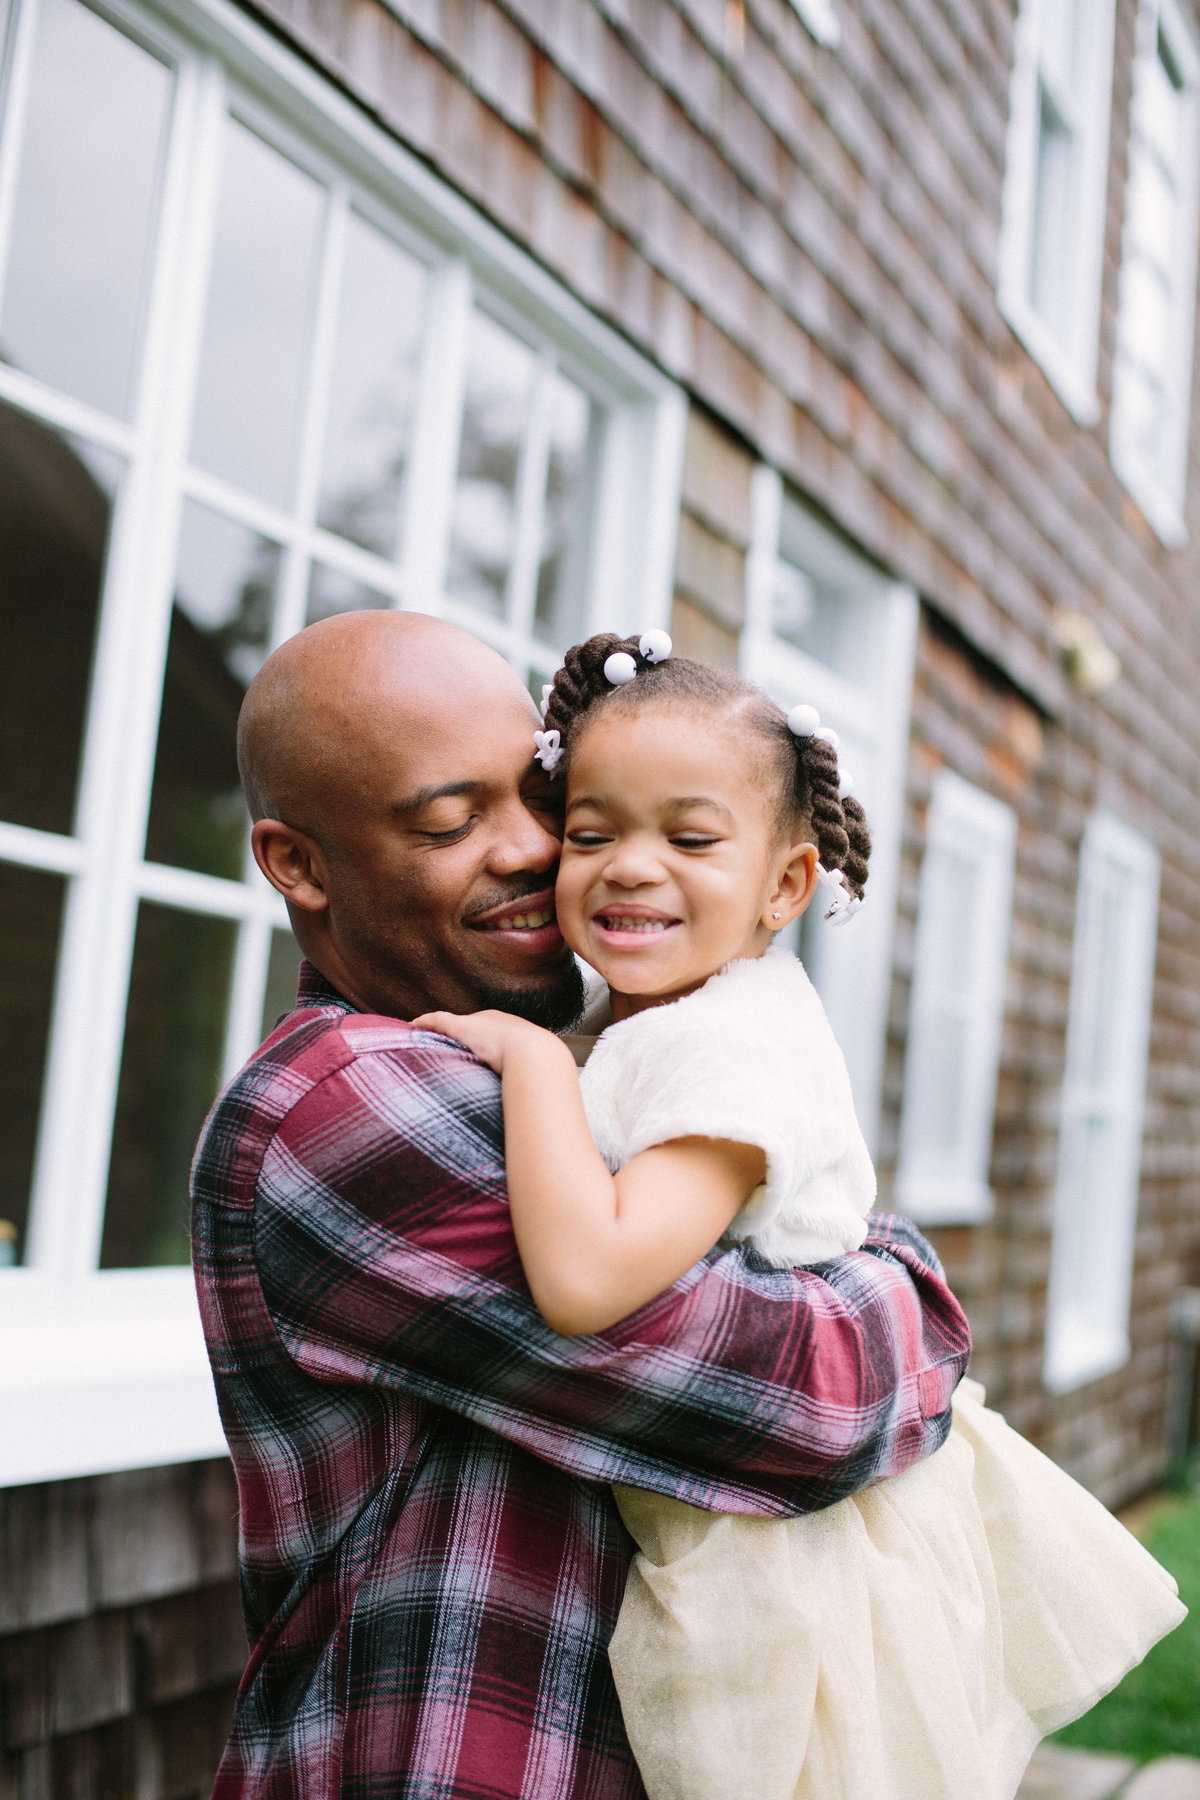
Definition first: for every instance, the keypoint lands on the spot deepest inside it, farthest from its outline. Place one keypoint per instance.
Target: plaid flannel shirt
(431, 1560)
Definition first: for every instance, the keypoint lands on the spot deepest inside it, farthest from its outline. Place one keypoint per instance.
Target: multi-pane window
(1156, 316)
(1055, 181)
(960, 962)
(1096, 1195)
(256, 368)
(825, 626)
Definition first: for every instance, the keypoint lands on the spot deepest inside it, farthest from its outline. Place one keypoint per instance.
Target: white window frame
(936, 1185)
(850, 967)
(102, 1370)
(1159, 486)
(1069, 364)
(1091, 1264)
(821, 21)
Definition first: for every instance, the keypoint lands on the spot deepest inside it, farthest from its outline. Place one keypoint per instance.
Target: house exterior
(853, 342)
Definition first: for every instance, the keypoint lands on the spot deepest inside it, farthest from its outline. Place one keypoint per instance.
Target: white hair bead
(803, 721)
(845, 783)
(828, 736)
(655, 645)
(619, 668)
(547, 690)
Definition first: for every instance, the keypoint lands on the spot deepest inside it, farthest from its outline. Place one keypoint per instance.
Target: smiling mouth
(628, 922)
(526, 921)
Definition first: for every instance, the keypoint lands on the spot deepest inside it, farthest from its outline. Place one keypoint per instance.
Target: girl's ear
(795, 885)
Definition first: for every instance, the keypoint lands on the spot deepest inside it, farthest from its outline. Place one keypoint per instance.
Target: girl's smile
(672, 862)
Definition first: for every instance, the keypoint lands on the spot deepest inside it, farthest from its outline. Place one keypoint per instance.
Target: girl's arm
(596, 1246)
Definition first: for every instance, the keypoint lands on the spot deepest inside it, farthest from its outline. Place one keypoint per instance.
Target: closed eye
(447, 837)
(587, 840)
(693, 841)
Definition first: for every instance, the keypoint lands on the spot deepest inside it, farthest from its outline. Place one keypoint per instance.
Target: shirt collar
(312, 989)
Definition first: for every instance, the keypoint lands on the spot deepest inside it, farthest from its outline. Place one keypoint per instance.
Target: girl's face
(672, 863)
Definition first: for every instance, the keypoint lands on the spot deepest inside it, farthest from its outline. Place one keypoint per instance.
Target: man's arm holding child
(386, 1258)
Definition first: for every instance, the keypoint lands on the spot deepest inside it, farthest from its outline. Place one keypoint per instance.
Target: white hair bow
(548, 749)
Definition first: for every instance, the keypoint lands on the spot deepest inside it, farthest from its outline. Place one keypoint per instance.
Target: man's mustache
(518, 889)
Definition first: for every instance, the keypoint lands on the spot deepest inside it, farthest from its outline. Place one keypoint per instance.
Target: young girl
(914, 1641)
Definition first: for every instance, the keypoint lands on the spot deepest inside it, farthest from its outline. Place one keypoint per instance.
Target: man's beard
(556, 1008)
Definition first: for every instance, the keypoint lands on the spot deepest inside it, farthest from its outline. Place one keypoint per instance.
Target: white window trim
(964, 820)
(1082, 1346)
(851, 968)
(1160, 494)
(821, 21)
(104, 1370)
(1071, 374)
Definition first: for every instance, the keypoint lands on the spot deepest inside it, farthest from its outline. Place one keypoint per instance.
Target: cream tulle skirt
(911, 1643)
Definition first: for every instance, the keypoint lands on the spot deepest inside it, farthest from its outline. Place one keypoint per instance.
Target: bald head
(388, 761)
(330, 701)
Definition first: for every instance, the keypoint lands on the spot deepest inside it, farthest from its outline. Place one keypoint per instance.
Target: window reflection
(330, 592)
(31, 907)
(170, 1074)
(253, 365)
(87, 194)
(380, 321)
(499, 387)
(55, 511)
(220, 635)
(560, 584)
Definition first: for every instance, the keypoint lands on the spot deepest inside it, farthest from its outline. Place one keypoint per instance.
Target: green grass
(1156, 1709)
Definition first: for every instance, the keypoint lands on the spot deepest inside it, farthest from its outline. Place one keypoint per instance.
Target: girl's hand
(488, 1035)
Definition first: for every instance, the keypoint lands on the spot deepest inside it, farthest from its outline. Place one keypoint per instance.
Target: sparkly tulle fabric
(911, 1643)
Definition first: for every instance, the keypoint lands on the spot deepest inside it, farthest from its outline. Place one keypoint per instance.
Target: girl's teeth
(615, 924)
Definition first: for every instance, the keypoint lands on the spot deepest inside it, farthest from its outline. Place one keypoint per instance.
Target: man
(431, 1560)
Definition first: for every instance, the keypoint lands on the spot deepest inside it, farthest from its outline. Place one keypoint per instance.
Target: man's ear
(795, 885)
(292, 863)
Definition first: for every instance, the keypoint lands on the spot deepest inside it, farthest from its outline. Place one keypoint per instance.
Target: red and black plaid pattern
(431, 1561)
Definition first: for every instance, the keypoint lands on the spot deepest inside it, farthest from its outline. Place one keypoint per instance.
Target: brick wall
(121, 1640)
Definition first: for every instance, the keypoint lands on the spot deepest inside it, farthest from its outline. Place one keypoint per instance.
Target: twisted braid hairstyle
(804, 771)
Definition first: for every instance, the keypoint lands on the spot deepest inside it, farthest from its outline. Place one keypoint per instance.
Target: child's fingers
(449, 1024)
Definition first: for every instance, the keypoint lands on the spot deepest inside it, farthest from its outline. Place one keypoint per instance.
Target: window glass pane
(329, 592)
(170, 1074)
(55, 511)
(1050, 271)
(254, 362)
(31, 906)
(282, 974)
(220, 635)
(1160, 105)
(561, 565)
(499, 387)
(86, 198)
(371, 397)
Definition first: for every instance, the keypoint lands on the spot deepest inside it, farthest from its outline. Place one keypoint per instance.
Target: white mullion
(59, 410)
(351, 559)
(236, 503)
(243, 1022)
(190, 891)
(90, 1000)
(437, 425)
(40, 850)
(292, 602)
(320, 377)
(12, 122)
(521, 587)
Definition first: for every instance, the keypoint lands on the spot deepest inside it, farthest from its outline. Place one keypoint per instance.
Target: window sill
(102, 1374)
(930, 1202)
(1164, 518)
(1077, 394)
(1076, 1356)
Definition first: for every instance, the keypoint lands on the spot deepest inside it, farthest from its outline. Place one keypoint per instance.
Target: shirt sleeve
(386, 1258)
